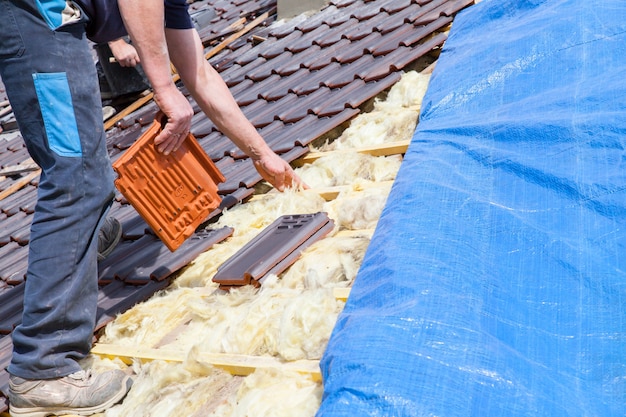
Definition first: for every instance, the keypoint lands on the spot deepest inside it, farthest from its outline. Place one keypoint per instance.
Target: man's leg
(52, 85)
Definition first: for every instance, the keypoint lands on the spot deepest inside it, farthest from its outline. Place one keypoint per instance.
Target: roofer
(50, 78)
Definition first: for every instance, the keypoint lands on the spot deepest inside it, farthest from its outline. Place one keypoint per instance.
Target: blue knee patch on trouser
(57, 110)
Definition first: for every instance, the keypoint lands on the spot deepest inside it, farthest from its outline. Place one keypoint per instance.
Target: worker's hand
(178, 112)
(125, 54)
(278, 172)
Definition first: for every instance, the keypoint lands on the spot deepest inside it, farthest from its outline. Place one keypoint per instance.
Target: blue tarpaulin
(495, 283)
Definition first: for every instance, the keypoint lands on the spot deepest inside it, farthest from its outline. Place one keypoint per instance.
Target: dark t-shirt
(105, 22)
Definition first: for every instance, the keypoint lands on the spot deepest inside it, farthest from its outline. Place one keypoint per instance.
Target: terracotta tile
(274, 249)
(393, 22)
(172, 193)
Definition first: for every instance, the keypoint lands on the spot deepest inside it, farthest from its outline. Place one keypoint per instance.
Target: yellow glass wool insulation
(275, 321)
(330, 263)
(273, 393)
(346, 168)
(358, 208)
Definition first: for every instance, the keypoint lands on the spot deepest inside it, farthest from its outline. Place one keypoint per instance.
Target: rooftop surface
(296, 80)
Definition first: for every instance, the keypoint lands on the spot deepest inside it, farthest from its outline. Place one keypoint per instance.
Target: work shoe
(108, 237)
(80, 393)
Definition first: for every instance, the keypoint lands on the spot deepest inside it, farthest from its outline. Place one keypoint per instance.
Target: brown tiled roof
(295, 80)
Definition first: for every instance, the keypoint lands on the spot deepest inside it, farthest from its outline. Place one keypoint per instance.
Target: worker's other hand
(278, 172)
(125, 54)
(178, 112)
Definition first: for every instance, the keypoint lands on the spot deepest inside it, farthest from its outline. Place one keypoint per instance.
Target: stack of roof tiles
(295, 80)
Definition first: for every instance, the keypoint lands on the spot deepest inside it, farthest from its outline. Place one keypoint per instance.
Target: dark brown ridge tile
(235, 77)
(202, 127)
(290, 67)
(356, 49)
(126, 138)
(286, 262)
(341, 78)
(358, 31)
(16, 221)
(243, 174)
(391, 41)
(118, 297)
(323, 125)
(335, 34)
(333, 106)
(403, 56)
(164, 263)
(250, 95)
(12, 204)
(284, 29)
(14, 158)
(263, 71)
(372, 88)
(146, 249)
(319, 18)
(269, 248)
(273, 109)
(281, 88)
(448, 10)
(107, 268)
(433, 26)
(306, 40)
(362, 66)
(392, 23)
(306, 104)
(6, 351)
(22, 235)
(314, 81)
(326, 55)
(11, 303)
(233, 80)
(200, 242)
(17, 262)
(280, 45)
(424, 9)
(394, 6)
(363, 11)
(216, 145)
(342, 3)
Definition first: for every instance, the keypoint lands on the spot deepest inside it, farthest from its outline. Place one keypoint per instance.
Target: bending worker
(51, 81)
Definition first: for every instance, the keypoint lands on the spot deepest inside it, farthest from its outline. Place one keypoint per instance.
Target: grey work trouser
(50, 78)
